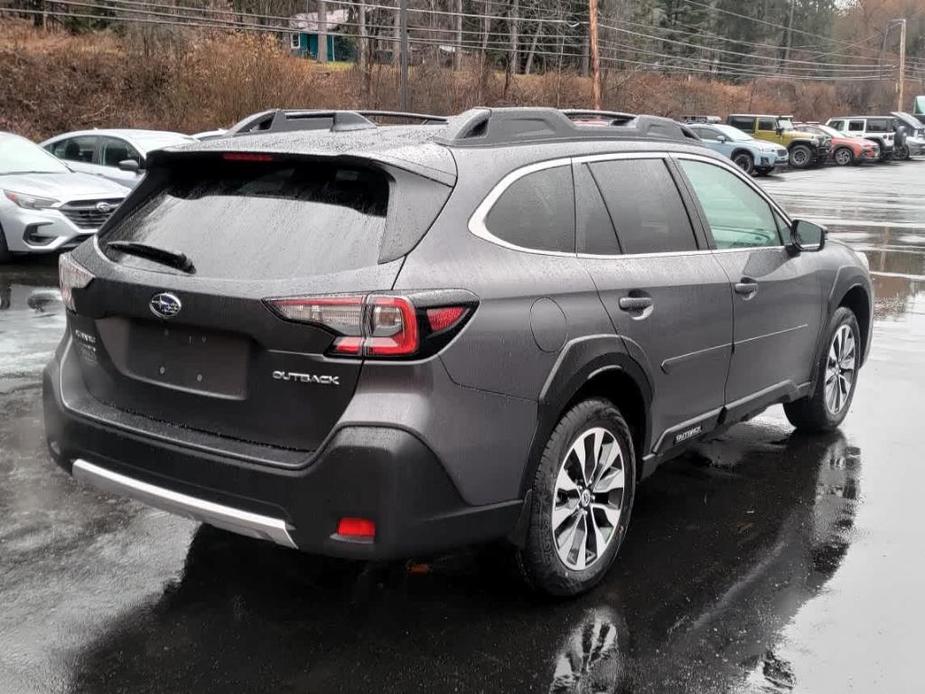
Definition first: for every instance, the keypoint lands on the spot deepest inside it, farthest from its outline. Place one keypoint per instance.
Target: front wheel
(582, 499)
(801, 156)
(836, 378)
(744, 161)
(764, 171)
(901, 153)
(843, 156)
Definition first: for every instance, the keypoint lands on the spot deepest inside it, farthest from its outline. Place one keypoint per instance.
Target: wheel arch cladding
(596, 366)
(857, 299)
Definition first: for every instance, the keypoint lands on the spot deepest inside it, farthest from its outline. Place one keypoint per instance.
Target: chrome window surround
(477, 221)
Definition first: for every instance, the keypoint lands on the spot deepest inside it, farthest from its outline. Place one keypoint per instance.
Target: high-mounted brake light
(246, 156)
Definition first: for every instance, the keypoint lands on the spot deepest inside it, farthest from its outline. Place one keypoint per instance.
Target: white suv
(880, 129)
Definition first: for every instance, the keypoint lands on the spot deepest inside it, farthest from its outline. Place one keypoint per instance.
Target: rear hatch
(201, 348)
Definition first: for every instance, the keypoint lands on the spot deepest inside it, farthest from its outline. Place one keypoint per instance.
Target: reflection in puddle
(590, 659)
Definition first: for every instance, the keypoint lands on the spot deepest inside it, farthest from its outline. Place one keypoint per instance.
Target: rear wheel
(843, 156)
(801, 156)
(744, 161)
(828, 404)
(901, 153)
(582, 499)
(5, 255)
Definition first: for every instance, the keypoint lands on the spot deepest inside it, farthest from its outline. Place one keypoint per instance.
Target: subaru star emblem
(105, 207)
(165, 305)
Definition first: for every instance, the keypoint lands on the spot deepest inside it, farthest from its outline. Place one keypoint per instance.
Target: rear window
(644, 205)
(263, 221)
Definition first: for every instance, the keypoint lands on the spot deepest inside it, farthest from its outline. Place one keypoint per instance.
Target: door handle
(635, 303)
(746, 287)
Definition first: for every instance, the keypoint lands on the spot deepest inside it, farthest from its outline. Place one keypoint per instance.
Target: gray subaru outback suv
(380, 342)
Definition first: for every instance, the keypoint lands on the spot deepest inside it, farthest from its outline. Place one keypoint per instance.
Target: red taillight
(356, 527)
(393, 327)
(440, 319)
(373, 326)
(246, 156)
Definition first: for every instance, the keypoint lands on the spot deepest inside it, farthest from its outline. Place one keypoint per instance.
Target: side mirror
(129, 165)
(806, 236)
(721, 138)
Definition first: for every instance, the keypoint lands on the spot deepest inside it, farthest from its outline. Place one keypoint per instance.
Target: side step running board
(225, 517)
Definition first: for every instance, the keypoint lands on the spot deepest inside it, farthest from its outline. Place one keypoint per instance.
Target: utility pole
(403, 48)
(595, 55)
(902, 64)
(792, 3)
(322, 31)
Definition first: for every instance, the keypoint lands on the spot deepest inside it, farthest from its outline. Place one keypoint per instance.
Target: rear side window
(262, 221)
(837, 124)
(856, 126)
(537, 211)
(742, 123)
(80, 149)
(645, 206)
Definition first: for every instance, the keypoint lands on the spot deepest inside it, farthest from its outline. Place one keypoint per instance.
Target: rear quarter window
(537, 211)
(247, 220)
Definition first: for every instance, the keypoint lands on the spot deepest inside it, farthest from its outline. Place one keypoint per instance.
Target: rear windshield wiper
(158, 255)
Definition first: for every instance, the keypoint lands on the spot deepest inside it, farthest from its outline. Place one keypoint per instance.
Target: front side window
(707, 133)
(537, 211)
(80, 149)
(737, 215)
(644, 205)
(114, 150)
(766, 124)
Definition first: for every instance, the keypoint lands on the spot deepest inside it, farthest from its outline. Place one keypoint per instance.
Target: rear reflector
(440, 319)
(356, 527)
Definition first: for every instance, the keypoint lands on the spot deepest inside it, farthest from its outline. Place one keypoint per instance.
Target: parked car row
(843, 140)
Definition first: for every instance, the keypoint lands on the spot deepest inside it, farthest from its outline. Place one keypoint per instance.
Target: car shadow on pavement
(726, 544)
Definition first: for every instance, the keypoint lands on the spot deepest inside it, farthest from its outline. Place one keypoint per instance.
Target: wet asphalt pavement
(763, 562)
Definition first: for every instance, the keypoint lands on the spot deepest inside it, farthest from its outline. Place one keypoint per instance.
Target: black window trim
(736, 171)
(691, 206)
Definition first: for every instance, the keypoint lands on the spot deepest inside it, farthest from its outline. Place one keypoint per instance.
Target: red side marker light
(356, 527)
(443, 318)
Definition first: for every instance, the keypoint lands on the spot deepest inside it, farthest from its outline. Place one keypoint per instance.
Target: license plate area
(180, 357)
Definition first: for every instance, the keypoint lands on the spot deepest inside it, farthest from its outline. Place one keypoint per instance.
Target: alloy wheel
(588, 499)
(843, 157)
(840, 369)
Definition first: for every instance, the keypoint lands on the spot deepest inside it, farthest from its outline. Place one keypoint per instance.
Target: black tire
(812, 413)
(801, 157)
(744, 161)
(843, 156)
(539, 561)
(763, 171)
(5, 255)
(901, 153)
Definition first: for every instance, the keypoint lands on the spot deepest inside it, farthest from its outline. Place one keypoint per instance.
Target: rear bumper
(386, 475)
